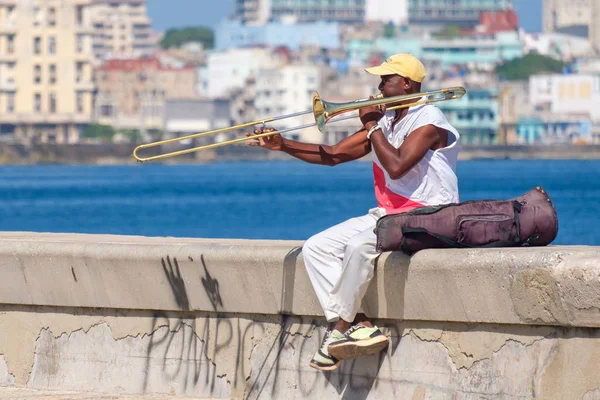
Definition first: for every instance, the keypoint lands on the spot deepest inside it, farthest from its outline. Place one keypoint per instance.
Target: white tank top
(433, 180)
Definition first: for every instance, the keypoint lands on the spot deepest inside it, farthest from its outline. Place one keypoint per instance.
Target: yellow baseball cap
(403, 64)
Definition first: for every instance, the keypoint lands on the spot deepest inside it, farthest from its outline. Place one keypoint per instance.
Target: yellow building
(46, 84)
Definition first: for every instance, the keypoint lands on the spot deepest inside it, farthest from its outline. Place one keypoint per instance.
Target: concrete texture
(191, 318)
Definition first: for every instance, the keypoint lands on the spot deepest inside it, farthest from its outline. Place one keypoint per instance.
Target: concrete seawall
(238, 319)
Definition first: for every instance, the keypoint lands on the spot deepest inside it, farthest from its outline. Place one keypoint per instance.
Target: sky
(167, 14)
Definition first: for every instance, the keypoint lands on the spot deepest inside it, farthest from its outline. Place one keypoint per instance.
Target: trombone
(323, 112)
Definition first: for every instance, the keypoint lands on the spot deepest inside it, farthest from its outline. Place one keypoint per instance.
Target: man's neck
(400, 113)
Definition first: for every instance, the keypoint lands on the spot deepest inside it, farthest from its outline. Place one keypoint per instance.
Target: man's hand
(371, 115)
(273, 142)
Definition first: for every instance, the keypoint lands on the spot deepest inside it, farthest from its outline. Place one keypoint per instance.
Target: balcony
(86, 86)
(8, 57)
(46, 118)
(8, 86)
(8, 27)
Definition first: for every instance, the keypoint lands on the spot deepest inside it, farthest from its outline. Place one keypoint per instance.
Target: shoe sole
(352, 350)
(323, 368)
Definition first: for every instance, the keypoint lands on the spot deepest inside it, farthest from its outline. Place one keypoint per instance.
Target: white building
(229, 70)
(385, 11)
(556, 45)
(564, 94)
(288, 90)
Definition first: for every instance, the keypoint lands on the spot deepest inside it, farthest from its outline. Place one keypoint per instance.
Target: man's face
(394, 85)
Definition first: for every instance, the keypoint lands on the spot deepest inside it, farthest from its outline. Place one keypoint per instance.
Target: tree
(389, 31)
(519, 69)
(177, 37)
(449, 32)
(99, 131)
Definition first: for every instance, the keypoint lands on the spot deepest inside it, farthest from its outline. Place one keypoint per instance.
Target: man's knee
(311, 246)
(359, 245)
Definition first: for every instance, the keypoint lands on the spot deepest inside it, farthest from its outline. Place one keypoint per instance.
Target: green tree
(449, 32)
(519, 69)
(99, 131)
(177, 37)
(390, 30)
(133, 135)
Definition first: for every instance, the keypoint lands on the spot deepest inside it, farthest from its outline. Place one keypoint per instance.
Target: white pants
(340, 262)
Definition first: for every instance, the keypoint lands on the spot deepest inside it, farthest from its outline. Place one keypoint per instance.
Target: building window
(10, 44)
(37, 45)
(52, 45)
(52, 74)
(79, 72)
(52, 103)
(52, 16)
(79, 44)
(79, 16)
(37, 102)
(106, 111)
(37, 74)
(10, 102)
(79, 102)
(37, 16)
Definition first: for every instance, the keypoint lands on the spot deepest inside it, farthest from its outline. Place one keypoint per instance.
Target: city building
(46, 57)
(229, 70)
(513, 105)
(188, 117)
(551, 128)
(475, 115)
(463, 13)
(473, 51)
(287, 90)
(386, 11)
(258, 12)
(233, 34)
(595, 27)
(578, 17)
(121, 28)
(132, 92)
(561, 15)
(561, 46)
(574, 93)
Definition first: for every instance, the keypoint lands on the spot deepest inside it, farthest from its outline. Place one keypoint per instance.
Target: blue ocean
(262, 200)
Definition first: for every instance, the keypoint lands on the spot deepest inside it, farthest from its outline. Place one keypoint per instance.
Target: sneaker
(358, 341)
(322, 360)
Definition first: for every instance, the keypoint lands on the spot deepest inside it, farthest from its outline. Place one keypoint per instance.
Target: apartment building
(560, 14)
(576, 16)
(394, 11)
(464, 13)
(121, 27)
(132, 92)
(259, 12)
(46, 84)
(594, 33)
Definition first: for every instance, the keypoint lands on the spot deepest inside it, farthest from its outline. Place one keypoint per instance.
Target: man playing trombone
(414, 152)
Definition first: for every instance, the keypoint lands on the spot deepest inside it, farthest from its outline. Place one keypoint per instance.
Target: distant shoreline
(111, 154)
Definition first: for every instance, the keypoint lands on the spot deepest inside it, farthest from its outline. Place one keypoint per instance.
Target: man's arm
(351, 148)
(398, 162)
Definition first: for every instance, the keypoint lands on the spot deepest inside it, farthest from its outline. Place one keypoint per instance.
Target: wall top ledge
(554, 285)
